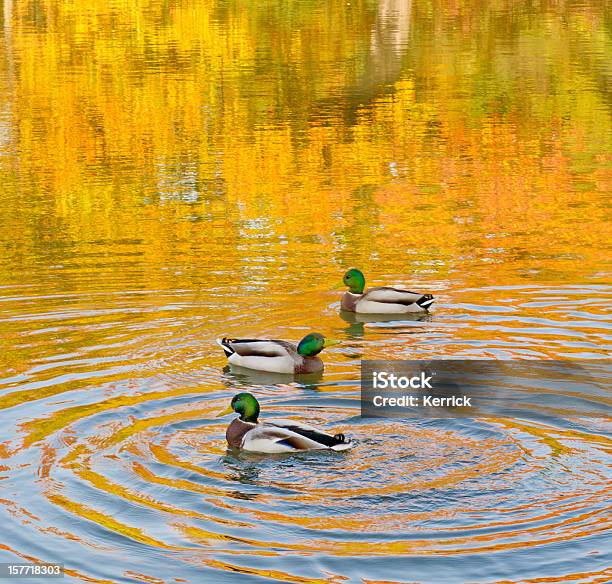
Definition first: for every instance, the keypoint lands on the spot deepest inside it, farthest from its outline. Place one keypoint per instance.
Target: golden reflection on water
(174, 171)
(150, 134)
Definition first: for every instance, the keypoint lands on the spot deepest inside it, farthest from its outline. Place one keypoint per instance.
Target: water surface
(177, 171)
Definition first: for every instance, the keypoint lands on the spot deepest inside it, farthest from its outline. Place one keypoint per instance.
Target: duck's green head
(313, 344)
(355, 280)
(244, 404)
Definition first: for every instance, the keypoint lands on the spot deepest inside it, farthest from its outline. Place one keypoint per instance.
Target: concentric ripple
(114, 460)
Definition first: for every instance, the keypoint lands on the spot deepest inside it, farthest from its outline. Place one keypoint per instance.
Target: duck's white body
(261, 355)
(277, 436)
(268, 355)
(386, 300)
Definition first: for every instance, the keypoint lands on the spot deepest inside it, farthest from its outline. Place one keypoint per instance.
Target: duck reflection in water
(357, 322)
(239, 378)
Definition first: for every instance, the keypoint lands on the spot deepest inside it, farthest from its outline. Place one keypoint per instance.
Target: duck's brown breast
(349, 301)
(309, 365)
(236, 431)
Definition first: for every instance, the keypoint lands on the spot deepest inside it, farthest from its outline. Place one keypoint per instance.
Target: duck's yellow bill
(330, 342)
(226, 411)
(339, 285)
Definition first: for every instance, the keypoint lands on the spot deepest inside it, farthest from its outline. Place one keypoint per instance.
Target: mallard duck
(277, 356)
(274, 436)
(383, 300)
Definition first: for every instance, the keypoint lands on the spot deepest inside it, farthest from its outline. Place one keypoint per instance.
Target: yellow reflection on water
(169, 124)
(173, 171)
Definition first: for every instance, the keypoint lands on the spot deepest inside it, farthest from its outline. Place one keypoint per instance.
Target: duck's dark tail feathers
(341, 442)
(426, 301)
(224, 343)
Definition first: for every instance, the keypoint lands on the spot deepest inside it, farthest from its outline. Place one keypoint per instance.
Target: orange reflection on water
(177, 171)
